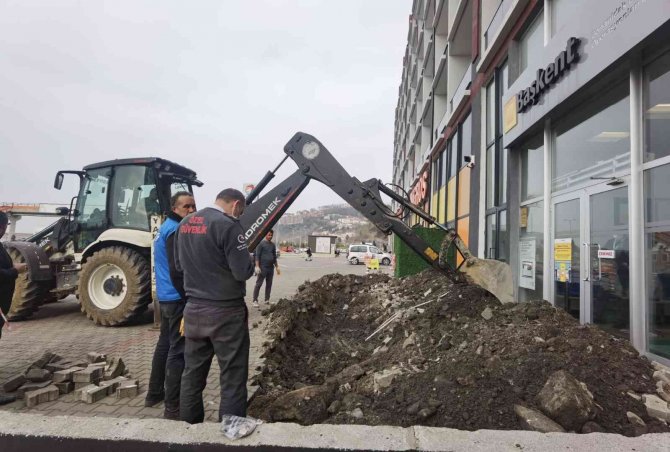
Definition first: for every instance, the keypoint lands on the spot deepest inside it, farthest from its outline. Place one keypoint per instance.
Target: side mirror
(58, 182)
(64, 211)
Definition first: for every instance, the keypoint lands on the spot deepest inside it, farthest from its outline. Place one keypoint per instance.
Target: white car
(357, 253)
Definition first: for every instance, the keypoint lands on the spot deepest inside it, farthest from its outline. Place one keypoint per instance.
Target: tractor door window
(134, 197)
(91, 212)
(176, 187)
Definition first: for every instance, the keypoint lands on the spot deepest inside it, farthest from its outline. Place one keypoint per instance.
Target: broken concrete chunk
(38, 375)
(43, 395)
(14, 383)
(116, 369)
(302, 405)
(658, 366)
(635, 419)
(660, 375)
(534, 420)
(656, 407)
(357, 413)
(593, 427)
(383, 380)
(410, 341)
(95, 357)
(487, 314)
(566, 401)
(58, 365)
(334, 407)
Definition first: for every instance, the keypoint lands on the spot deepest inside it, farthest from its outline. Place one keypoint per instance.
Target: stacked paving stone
(91, 379)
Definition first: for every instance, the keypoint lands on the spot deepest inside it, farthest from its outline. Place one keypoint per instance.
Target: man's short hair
(176, 196)
(271, 231)
(4, 219)
(230, 194)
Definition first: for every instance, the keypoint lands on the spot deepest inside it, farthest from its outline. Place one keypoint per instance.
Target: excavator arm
(316, 162)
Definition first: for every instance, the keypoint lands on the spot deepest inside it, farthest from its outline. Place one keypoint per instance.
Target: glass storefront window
(657, 109)
(490, 112)
(466, 140)
(532, 169)
(490, 176)
(503, 237)
(531, 252)
(531, 44)
(491, 236)
(593, 145)
(657, 196)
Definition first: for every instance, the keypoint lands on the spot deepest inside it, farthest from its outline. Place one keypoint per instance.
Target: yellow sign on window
(524, 217)
(563, 250)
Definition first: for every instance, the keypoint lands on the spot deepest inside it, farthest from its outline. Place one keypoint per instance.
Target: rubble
(421, 351)
(566, 400)
(51, 376)
(536, 421)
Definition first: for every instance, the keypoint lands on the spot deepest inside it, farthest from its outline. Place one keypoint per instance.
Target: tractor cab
(122, 194)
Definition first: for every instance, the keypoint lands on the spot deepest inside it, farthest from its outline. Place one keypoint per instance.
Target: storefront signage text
(418, 194)
(548, 76)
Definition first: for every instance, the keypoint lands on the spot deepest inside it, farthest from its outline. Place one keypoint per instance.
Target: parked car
(357, 253)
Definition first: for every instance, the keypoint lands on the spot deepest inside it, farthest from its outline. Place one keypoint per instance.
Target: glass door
(608, 279)
(590, 256)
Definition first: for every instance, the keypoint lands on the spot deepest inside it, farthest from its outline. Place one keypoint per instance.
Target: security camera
(469, 161)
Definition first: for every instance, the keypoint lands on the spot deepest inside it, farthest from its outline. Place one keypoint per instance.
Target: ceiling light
(609, 137)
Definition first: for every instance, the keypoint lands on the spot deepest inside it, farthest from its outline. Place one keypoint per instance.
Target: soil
(451, 366)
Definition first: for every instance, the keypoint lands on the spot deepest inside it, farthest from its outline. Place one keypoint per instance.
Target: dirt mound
(452, 356)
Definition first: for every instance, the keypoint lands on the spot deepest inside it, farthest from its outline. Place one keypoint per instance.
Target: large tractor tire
(28, 295)
(115, 286)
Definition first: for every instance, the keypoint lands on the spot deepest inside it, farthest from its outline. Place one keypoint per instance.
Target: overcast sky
(218, 86)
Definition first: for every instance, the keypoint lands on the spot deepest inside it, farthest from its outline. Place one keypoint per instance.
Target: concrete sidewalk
(28, 432)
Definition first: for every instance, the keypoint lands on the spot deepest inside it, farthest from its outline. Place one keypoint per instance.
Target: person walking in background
(266, 263)
(212, 253)
(309, 254)
(168, 361)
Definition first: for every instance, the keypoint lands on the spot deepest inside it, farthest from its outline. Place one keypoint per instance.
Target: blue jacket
(166, 290)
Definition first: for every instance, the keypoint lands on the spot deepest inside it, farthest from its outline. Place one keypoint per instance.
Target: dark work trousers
(168, 362)
(210, 330)
(266, 275)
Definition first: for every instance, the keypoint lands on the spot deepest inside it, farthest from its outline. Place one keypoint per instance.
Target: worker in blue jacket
(168, 361)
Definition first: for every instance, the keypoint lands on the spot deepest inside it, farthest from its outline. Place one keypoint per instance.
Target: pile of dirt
(452, 356)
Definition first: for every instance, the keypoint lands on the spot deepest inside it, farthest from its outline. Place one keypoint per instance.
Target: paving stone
(43, 395)
(93, 394)
(61, 376)
(111, 385)
(126, 391)
(38, 375)
(128, 410)
(58, 365)
(14, 383)
(106, 409)
(79, 392)
(116, 369)
(31, 386)
(43, 361)
(65, 387)
(88, 375)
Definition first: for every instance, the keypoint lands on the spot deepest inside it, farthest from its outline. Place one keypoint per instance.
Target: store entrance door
(590, 256)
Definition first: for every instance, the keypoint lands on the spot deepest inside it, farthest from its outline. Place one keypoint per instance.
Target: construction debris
(91, 379)
(422, 350)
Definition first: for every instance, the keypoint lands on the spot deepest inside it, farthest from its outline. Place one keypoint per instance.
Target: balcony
(462, 92)
(496, 21)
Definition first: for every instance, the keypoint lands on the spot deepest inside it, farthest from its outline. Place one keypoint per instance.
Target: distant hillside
(341, 220)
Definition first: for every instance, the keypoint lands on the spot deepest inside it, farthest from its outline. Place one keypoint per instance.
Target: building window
(532, 169)
(531, 44)
(657, 203)
(497, 236)
(593, 143)
(657, 109)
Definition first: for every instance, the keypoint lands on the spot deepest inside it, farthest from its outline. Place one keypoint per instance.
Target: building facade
(540, 131)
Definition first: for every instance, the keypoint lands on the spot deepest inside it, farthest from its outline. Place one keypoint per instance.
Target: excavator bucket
(491, 275)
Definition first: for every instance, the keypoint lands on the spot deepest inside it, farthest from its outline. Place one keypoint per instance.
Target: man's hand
(257, 271)
(278, 272)
(21, 267)
(181, 326)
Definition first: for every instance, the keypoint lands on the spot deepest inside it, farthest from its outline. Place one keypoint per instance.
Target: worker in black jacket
(9, 271)
(212, 254)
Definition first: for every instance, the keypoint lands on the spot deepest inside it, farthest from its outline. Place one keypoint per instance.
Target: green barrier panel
(407, 262)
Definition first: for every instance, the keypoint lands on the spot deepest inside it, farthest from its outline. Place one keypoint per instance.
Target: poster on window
(527, 263)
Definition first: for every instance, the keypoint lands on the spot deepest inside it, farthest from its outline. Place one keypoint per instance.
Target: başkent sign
(548, 76)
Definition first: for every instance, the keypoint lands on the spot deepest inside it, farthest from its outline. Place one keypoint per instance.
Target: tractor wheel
(115, 286)
(28, 295)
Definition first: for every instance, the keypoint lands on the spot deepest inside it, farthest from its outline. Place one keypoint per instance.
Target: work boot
(171, 413)
(150, 401)
(5, 399)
